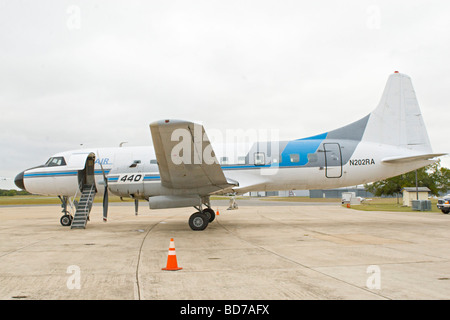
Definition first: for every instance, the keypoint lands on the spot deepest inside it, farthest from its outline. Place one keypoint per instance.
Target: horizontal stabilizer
(395, 160)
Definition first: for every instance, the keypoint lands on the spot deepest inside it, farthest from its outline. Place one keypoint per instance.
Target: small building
(411, 193)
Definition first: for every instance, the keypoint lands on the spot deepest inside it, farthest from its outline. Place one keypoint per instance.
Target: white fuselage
(364, 166)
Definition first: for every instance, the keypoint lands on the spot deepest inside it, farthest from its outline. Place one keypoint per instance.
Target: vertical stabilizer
(397, 120)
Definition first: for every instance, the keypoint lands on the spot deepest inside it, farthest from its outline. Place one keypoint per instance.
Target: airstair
(83, 207)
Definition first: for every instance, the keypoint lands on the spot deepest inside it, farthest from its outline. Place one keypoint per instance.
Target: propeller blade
(104, 175)
(136, 206)
(105, 195)
(105, 205)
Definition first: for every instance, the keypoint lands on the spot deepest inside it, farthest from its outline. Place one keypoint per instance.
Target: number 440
(131, 178)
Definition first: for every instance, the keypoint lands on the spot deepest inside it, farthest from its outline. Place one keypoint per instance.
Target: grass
(40, 200)
(376, 204)
(389, 204)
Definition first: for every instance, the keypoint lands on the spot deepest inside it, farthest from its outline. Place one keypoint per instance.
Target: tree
(13, 192)
(388, 187)
(433, 176)
(444, 180)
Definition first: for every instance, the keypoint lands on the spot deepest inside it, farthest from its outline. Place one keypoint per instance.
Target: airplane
(182, 167)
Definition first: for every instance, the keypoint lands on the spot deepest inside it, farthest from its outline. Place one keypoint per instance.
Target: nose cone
(19, 181)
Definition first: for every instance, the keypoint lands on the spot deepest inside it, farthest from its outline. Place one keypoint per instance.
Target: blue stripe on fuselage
(49, 174)
(301, 147)
(58, 174)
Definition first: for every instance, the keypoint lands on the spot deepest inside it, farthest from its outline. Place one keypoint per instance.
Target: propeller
(105, 203)
(136, 206)
(105, 195)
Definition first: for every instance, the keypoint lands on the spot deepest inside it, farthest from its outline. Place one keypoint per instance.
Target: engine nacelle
(144, 182)
(128, 181)
(163, 202)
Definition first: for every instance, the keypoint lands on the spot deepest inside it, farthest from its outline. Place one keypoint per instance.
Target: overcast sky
(98, 72)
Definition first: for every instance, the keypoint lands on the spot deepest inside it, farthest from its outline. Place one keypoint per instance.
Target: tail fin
(397, 120)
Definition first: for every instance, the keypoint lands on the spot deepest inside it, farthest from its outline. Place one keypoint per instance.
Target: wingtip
(169, 122)
(164, 122)
(399, 74)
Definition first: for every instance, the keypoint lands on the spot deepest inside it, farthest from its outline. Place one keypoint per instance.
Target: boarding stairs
(83, 206)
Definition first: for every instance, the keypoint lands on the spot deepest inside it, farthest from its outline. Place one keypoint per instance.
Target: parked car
(444, 204)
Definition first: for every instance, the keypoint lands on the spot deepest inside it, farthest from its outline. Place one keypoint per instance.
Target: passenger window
(312, 157)
(295, 157)
(260, 159)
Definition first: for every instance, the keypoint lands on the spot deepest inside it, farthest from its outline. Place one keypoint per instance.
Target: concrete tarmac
(256, 252)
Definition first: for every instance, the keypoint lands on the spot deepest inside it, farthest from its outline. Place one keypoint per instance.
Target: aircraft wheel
(66, 220)
(198, 221)
(210, 214)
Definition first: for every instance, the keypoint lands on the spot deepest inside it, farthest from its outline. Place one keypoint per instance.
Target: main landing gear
(200, 220)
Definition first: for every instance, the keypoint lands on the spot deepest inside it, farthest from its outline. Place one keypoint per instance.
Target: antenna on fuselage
(122, 143)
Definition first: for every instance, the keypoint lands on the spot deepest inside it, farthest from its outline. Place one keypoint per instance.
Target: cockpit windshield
(55, 162)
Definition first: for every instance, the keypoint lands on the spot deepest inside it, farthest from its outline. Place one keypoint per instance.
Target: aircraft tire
(66, 220)
(198, 221)
(210, 213)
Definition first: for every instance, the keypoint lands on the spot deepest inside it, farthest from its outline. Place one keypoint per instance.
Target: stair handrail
(89, 198)
(71, 202)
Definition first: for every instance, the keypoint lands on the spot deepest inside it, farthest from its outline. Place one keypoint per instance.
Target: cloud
(99, 75)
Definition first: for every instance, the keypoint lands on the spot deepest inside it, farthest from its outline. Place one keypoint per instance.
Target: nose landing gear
(66, 219)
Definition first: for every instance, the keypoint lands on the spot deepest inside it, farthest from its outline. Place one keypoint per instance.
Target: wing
(185, 157)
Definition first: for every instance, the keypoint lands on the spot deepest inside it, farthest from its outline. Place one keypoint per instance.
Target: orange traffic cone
(172, 258)
(217, 213)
